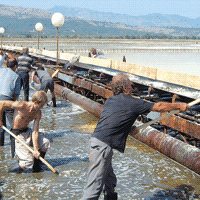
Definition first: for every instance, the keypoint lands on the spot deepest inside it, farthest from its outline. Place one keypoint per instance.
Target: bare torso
(24, 115)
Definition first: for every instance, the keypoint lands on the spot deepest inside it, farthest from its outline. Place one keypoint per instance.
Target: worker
(25, 112)
(97, 53)
(46, 82)
(25, 63)
(119, 113)
(10, 84)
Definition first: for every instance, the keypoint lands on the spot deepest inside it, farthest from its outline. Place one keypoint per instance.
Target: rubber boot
(2, 138)
(54, 102)
(110, 196)
(12, 140)
(37, 163)
(15, 169)
(2, 135)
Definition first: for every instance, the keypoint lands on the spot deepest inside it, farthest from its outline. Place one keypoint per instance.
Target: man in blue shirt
(10, 84)
(24, 67)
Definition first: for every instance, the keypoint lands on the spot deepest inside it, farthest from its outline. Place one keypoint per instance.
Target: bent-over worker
(25, 112)
(41, 76)
(119, 113)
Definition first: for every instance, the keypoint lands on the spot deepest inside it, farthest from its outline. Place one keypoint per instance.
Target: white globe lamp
(57, 20)
(2, 30)
(39, 26)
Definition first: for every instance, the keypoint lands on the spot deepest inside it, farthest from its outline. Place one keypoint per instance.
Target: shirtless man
(25, 112)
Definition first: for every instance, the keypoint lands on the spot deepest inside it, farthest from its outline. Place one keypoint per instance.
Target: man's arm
(35, 134)
(166, 107)
(35, 77)
(9, 104)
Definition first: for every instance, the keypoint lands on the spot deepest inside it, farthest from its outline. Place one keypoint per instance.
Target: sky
(187, 8)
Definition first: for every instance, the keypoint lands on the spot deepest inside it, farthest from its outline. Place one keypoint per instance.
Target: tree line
(77, 36)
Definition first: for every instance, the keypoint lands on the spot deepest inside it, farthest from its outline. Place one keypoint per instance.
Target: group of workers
(119, 114)
(18, 114)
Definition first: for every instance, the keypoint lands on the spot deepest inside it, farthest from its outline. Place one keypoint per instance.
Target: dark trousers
(24, 83)
(7, 117)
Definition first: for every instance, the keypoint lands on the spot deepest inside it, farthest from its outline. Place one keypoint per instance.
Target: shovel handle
(30, 149)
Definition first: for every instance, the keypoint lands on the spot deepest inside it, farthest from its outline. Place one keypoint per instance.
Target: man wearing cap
(24, 67)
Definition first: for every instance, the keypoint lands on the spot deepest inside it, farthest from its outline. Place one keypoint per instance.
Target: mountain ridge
(155, 19)
(21, 21)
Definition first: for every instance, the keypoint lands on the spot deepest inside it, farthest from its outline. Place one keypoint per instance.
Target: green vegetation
(78, 29)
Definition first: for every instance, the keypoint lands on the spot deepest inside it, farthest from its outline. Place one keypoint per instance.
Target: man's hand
(36, 154)
(1, 123)
(184, 107)
(134, 131)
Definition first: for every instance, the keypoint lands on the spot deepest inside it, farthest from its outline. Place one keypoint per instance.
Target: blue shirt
(10, 82)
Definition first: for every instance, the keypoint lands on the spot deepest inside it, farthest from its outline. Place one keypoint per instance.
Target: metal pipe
(87, 104)
(183, 153)
(173, 148)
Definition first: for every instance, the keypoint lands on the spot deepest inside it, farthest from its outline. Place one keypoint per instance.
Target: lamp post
(2, 30)
(39, 28)
(57, 20)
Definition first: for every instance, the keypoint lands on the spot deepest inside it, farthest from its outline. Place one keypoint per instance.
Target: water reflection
(141, 171)
(182, 192)
(64, 161)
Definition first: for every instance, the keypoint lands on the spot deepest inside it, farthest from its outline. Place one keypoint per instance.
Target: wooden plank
(191, 81)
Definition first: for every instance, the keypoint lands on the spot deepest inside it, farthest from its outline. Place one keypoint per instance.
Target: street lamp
(57, 20)
(2, 30)
(39, 28)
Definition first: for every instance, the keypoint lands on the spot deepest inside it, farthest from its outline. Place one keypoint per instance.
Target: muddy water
(141, 171)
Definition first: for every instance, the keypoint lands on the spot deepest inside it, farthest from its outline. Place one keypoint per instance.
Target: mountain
(23, 13)
(20, 22)
(152, 20)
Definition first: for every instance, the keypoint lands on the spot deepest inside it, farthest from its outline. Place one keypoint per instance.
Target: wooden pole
(1, 42)
(38, 38)
(30, 149)
(55, 73)
(167, 115)
(57, 47)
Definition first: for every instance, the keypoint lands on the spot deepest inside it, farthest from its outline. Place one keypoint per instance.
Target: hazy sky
(188, 8)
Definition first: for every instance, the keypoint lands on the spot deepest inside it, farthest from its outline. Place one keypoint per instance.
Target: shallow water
(141, 171)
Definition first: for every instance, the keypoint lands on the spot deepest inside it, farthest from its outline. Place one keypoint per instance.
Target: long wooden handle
(55, 73)
(30, 149)
(167, 115)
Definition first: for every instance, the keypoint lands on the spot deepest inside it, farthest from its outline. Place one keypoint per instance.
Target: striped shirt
(25, 62)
